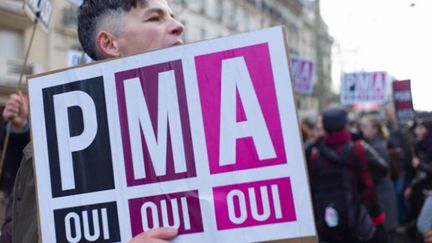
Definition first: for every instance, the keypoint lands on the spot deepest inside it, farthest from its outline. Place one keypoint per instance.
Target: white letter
(242, 205)
(96, 230)
(168, 115)
(76, 222)
(295, 64)
(276, 201)
(185, 211)
(105, 224)
(175, 213)
(364, 81)
(154, 215)
(66, 143)
(265, 203)
(235, 75)
(306, 71)
(349, 83)
(379, 82)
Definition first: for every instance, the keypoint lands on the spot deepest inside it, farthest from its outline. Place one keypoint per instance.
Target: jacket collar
(337, 138)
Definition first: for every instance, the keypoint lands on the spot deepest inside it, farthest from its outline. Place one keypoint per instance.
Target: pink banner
(255, 203)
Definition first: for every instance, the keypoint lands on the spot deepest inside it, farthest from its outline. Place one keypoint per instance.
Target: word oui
(90, 223)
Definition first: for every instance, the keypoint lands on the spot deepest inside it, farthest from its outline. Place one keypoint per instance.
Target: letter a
(235, 76)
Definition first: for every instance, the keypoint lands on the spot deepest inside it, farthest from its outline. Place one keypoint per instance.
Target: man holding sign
(106, 29)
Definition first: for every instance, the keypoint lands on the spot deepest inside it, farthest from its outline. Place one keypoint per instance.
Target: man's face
(149, 28)
(367, 128)
(420, 131)
(390, 114)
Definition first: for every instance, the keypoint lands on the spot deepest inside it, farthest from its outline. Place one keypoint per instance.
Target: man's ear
(107, 44)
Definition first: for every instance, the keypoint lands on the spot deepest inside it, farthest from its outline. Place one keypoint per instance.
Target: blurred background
(326, 38)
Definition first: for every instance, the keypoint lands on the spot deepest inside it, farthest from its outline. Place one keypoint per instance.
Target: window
(12, 43)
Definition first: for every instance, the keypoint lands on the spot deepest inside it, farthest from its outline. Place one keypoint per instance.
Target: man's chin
(177, 43)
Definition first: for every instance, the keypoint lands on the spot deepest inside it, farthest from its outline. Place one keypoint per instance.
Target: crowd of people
(370, 176)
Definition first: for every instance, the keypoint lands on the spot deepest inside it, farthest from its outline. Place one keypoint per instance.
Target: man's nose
(176, 28)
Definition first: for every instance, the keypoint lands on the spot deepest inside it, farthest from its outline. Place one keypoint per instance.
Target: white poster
(361, 87)
(76, 58)
(202, 137)
(40, 11)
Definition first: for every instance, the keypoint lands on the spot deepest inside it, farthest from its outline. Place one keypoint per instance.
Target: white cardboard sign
(76, 57)
(40, 10)
(361, 87)
(203, 137)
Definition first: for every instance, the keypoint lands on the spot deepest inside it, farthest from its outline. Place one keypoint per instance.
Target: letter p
(68, 144)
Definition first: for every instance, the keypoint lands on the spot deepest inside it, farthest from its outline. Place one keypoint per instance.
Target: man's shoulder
(28, 152)
(25, 172)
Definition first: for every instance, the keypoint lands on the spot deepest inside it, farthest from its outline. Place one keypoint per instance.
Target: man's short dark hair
(92, 14)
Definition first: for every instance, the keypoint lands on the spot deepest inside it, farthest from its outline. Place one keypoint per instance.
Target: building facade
(204, 19)
(307, 37)
(49, 50)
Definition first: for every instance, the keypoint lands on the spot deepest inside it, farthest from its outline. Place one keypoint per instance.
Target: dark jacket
(20, 225)
(13, 157)
(361, 169)
(423, 150)
(384, 185)
(400, 145)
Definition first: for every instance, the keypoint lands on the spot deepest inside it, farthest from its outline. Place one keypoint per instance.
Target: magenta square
(255, 203)
(259, 68)
(180, 210)
(149, 77)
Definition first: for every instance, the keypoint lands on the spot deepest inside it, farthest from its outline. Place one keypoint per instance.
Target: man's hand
(16, 110)
(408, 192)
(160, 235)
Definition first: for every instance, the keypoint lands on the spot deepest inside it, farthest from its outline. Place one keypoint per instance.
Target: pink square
(210, 77)
(254, 203)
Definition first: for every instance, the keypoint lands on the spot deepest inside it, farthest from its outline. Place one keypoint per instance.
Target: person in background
(317, 136)
(354, 127)
(400, 147)
(15, 121)
(306, 128)
(361, 161)
(376, 135)
(422, 163)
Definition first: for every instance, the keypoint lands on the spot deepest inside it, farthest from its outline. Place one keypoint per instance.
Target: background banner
(303, 75)
(403, 100)
(361, 87)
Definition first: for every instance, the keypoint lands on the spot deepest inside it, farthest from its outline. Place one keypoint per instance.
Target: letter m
(154, 123)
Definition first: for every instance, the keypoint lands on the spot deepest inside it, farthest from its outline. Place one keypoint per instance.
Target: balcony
(12, 15)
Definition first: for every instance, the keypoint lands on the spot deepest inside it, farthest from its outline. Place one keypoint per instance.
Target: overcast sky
(383, 35)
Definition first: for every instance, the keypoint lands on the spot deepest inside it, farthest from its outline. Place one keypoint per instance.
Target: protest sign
(40, 10)
(303, 72)
(203, 137)
(403, 100)
(76, 2)
(76, 57)
(361, 87)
